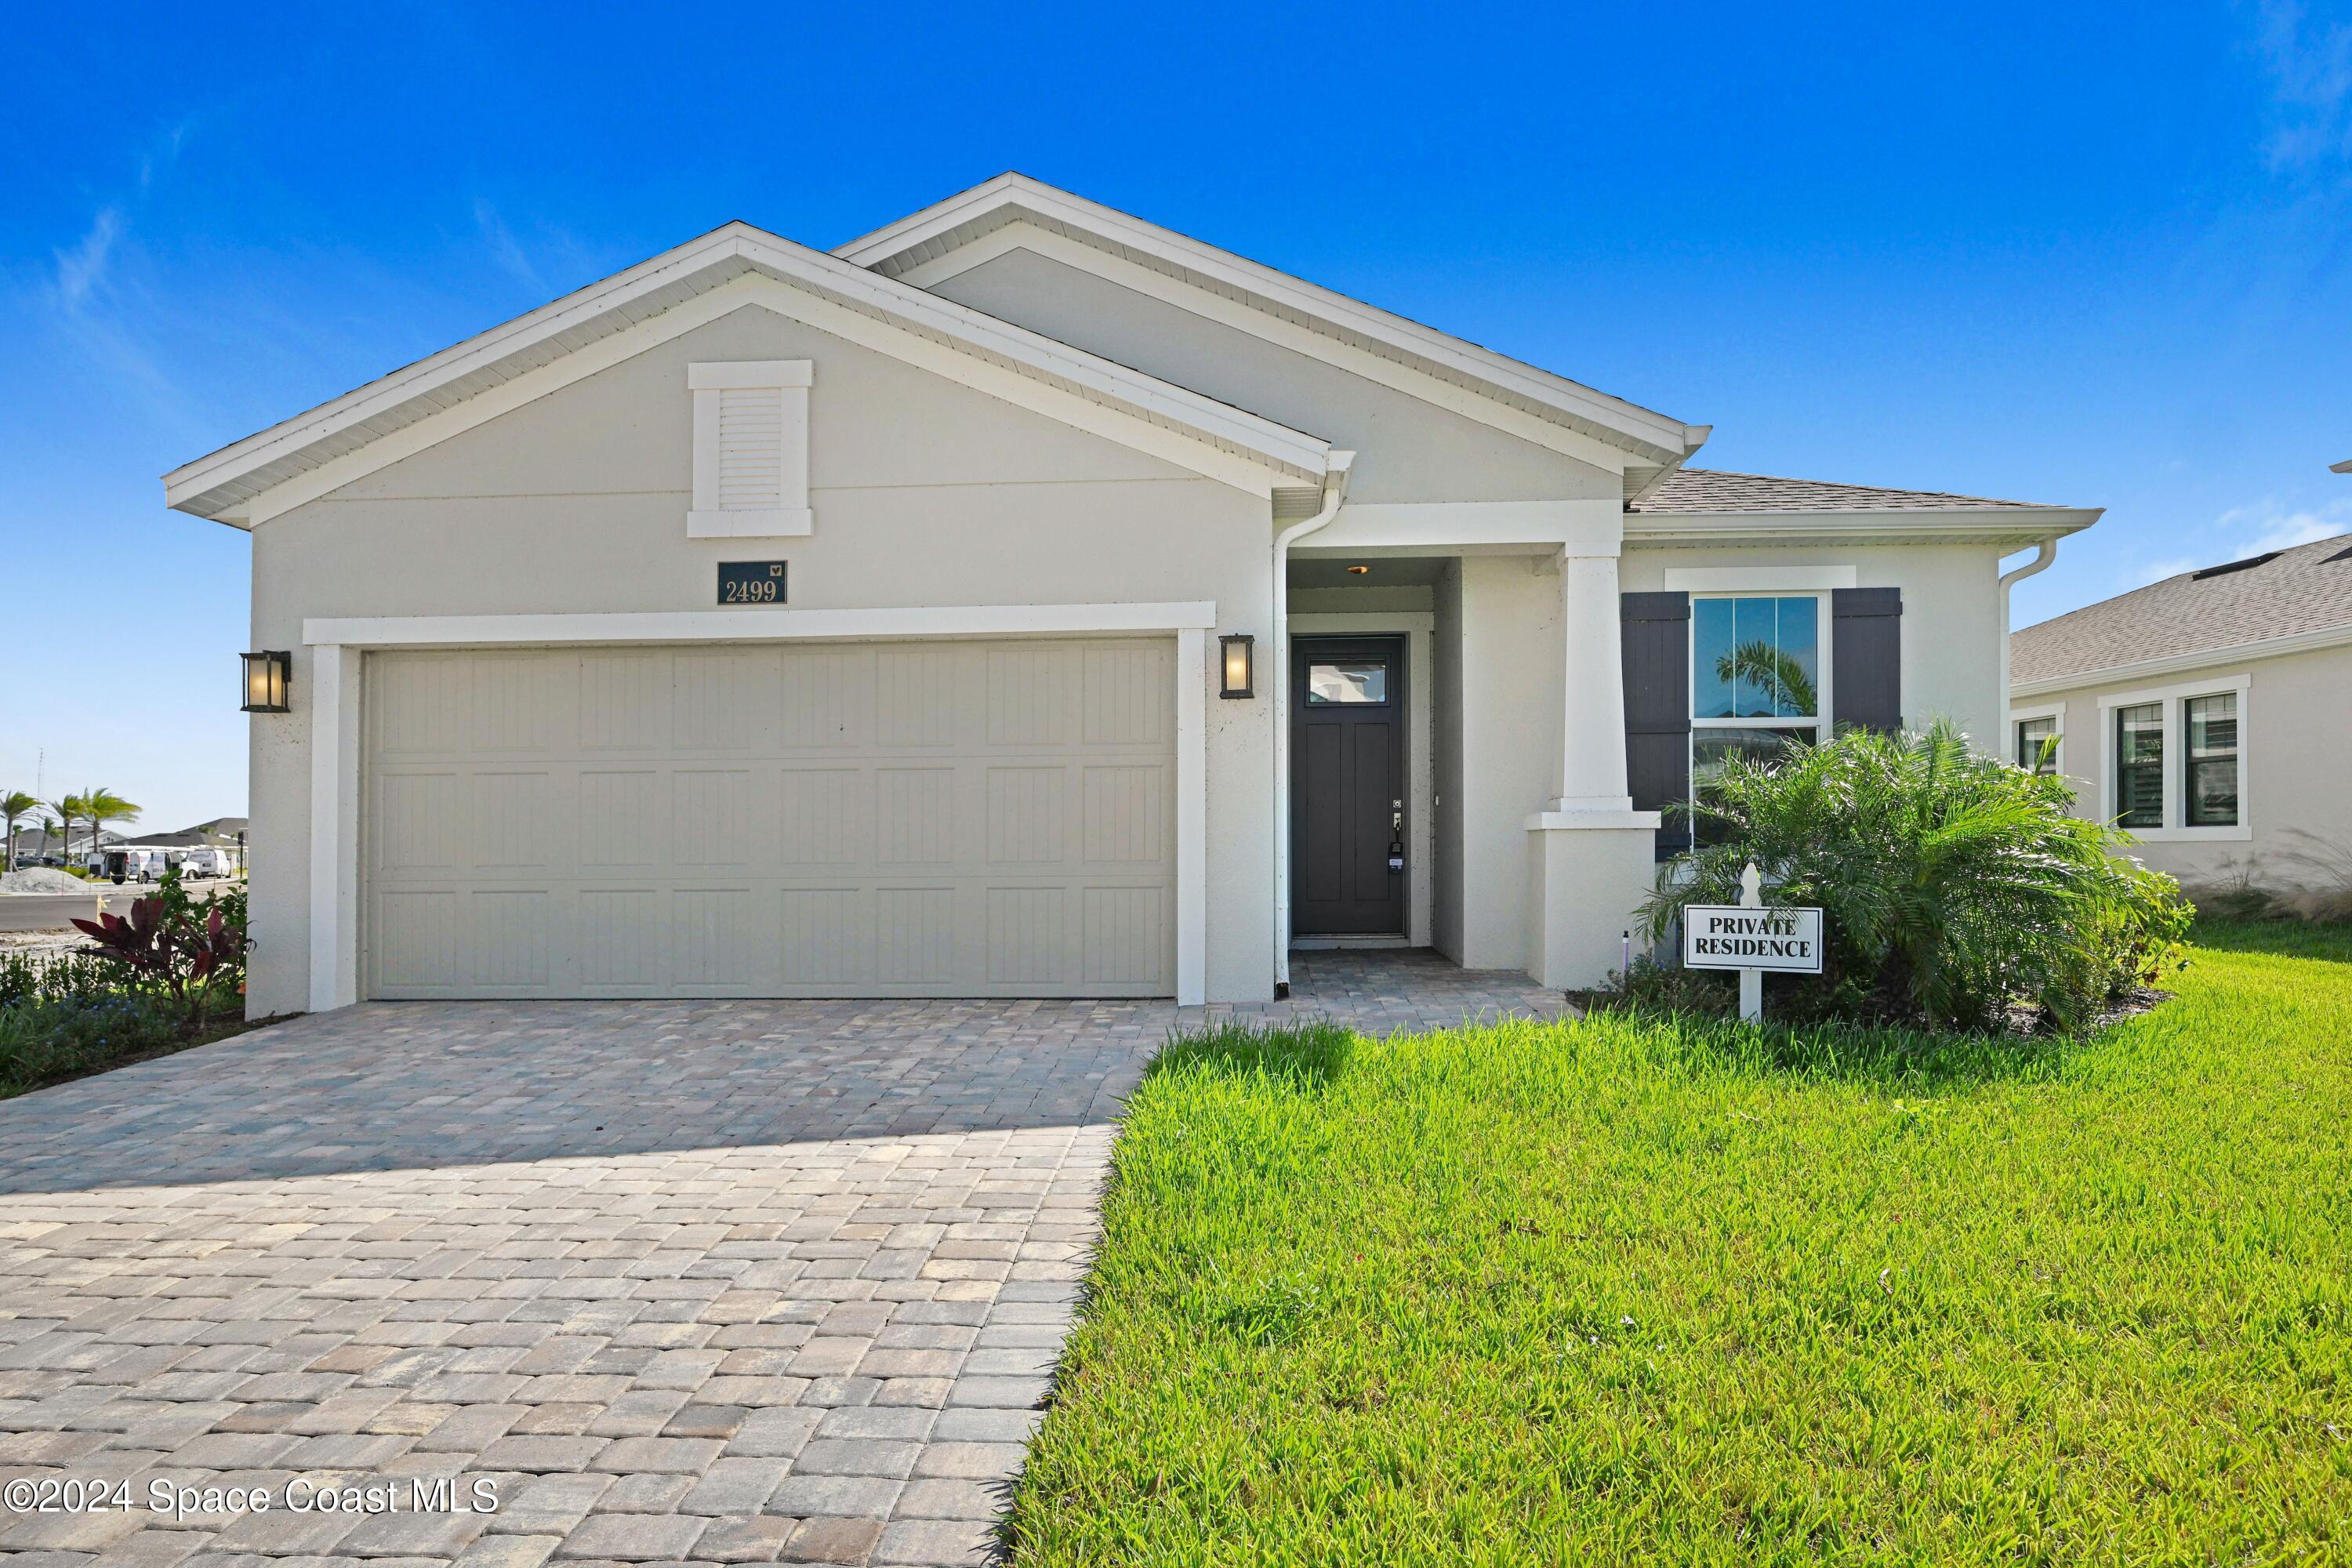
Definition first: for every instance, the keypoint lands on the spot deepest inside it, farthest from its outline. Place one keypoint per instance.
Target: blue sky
(2097, 255)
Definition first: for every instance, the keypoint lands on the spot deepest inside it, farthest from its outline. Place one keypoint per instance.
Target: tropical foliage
(14, 806)
(1955, 886)
(169, 976)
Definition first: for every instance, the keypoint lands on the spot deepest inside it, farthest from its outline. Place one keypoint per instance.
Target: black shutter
(1866, 657)
(1656, 645)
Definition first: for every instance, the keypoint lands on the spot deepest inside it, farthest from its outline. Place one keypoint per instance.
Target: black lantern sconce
(1238, 655)
(266, 674)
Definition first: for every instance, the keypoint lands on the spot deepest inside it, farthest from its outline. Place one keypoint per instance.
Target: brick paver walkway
(686, 1281)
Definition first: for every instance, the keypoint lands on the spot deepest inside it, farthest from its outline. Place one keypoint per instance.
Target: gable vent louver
(751, 448)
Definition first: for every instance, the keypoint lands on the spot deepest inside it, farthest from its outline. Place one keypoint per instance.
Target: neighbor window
(2209, 796)
(2037, 745)
(1755, 679)
(2177, 767)
(2139, 765)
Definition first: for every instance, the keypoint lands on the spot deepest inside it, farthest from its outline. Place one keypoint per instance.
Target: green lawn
(1622, 1291)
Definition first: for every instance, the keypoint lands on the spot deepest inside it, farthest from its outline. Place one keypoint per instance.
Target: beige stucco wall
(1951, 615)
(2294, 784)
(1407, 449)
(1510, 707)
(925, 493)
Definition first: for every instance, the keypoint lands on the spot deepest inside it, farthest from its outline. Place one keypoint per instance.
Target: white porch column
(1592, 735)
(1591, 850)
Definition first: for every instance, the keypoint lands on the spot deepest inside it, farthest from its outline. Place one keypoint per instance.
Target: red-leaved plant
(175, 954)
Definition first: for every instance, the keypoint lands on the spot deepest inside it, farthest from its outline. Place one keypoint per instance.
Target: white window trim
(791, 379)
(1825, 700)
(2047, 710)
(1756, 583)
(2175, 760)
(1748, 581)
(336, 647)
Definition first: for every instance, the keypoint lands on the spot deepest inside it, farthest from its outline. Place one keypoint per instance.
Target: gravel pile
(42, 880)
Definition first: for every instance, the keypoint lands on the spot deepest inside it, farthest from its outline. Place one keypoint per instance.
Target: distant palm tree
(69, 810)
(100, 806)
(13, 806)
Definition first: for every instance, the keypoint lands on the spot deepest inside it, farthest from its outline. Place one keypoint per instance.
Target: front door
(1347, 787)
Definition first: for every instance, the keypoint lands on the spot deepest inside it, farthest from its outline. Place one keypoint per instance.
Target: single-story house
(2210, 715)
(1020, 600)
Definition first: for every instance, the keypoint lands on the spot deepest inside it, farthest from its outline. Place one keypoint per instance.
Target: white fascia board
(1251, 473)
(1587, 527)
(849, 292)
(2186, 663)
(758, 624)
(1657, 436)
(1956, 525)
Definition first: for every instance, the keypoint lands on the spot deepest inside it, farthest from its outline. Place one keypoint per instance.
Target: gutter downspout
(2043, 557)
(1334, 490)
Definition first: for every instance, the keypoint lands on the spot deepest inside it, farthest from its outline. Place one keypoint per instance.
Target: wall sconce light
(1237, 652)
(266, 674)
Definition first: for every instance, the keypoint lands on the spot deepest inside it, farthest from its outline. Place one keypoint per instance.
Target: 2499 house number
(751, 582)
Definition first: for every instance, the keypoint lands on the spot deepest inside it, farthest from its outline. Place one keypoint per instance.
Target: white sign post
(1751, 939)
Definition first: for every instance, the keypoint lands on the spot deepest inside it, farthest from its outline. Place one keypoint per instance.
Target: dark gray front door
(1347, 787)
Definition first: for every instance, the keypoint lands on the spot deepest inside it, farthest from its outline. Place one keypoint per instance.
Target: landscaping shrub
(172, 943)
(169, 976)
(1955, 886)
(43, 1041)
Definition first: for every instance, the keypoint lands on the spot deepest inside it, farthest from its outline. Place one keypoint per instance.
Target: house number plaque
(750, 582)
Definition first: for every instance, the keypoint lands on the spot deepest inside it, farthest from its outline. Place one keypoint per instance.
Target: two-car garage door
(846, 819)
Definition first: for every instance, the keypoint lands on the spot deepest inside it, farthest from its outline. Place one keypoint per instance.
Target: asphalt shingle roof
(1717, 490)
(2305, 589)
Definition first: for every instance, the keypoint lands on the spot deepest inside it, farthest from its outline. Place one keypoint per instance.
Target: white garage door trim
(336, 647)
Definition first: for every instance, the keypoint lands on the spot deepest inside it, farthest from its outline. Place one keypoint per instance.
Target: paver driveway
(687, 1281)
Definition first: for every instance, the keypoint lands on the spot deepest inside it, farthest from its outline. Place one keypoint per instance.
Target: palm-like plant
(1783, 679)
(100, 806)
(1953, 882)
(69, 810)
(15, 805)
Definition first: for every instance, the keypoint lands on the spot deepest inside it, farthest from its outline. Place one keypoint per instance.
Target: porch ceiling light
(1237, 652)
(266, 674)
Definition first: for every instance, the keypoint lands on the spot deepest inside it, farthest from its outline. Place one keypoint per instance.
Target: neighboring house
(2210, 715)
(1020, 600)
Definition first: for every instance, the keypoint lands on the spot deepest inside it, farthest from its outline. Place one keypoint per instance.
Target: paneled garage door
(844, 819)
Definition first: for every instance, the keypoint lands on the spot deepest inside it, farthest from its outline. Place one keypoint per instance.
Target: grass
(1635, 1291)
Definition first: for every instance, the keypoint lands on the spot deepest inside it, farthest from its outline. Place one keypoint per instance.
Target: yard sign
(1752, 939)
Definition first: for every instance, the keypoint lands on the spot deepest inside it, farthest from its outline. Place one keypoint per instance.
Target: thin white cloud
(504, 247)
(82, 268)
(2253, 529)
(2310, 67)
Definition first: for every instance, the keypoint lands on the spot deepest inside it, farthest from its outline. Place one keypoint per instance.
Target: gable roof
(221, 484)
(1660, 444)
(2278, 603)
